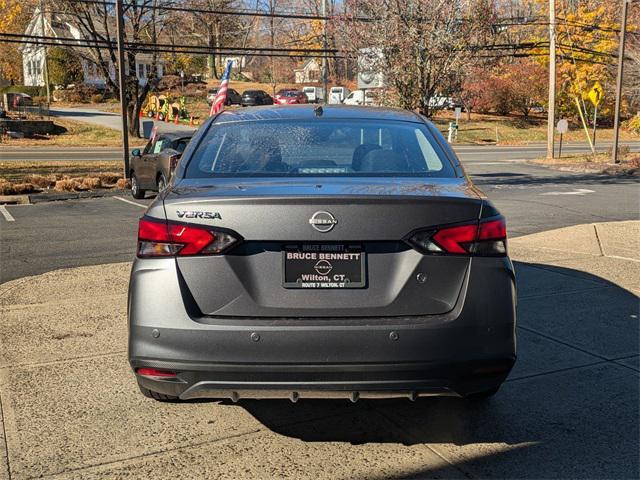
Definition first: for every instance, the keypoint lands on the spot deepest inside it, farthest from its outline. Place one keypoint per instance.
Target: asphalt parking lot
(71, 409)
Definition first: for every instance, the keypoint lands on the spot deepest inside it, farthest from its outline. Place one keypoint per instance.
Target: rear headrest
(360, 152)
(383, 161)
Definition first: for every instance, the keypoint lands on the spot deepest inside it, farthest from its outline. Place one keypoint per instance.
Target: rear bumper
(468, 350)
(328, 381)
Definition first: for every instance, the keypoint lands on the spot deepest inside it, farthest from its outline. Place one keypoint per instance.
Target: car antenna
(318, 111)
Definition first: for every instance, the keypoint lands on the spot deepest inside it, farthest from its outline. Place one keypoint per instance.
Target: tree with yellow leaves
(14, 15)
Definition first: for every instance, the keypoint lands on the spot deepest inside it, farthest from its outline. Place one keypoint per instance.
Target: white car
(314, 94)
(360, 97)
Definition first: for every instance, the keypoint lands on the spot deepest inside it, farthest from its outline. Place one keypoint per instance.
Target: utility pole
(325, 80)
(122, 76)
(551, 113)
(45, 67)
(616, 120)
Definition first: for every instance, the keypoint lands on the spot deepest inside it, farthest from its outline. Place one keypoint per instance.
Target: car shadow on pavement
(81, 113)
(568, 409)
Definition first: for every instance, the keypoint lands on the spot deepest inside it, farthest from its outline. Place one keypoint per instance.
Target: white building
(61, 26)
(309, 73)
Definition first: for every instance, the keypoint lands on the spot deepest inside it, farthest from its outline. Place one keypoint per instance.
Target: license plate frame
(344, 264)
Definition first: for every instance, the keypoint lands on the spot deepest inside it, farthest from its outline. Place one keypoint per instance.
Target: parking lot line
(5, 213)
(131, 202)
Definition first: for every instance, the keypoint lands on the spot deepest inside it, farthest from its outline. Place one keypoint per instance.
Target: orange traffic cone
(191, 121)
(176, 119)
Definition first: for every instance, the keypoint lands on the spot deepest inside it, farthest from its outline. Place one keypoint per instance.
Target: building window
(141, 68)
(29, 67)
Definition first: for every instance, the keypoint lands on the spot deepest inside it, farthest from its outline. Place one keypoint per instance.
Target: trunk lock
(421, 277)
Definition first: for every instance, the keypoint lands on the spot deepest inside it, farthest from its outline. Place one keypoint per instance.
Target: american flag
(221, 97)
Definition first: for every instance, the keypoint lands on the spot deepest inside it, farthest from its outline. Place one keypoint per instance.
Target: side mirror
(136, 152)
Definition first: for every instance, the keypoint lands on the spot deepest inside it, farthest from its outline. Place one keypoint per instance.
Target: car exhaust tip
(354, 397)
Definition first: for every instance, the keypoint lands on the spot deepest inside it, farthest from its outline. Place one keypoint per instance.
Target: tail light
(165, 239)
(173, 161)
(487, 238)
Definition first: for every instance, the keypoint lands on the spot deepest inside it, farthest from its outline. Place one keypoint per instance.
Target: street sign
(562, 127)
(596, 94)
(458, 111)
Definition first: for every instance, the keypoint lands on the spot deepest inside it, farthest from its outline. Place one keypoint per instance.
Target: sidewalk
(70, 406)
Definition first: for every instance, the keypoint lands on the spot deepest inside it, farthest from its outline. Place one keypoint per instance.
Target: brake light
(165, 239)
(485, 238)
(173, 161)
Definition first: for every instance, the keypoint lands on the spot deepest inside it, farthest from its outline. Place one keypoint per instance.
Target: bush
(123, 184)
(7, 188)
(91, 183)
(66, 185)
(109, 178)
(40, 180)
(80, 93)
(169, 82)
(633, 125)
(97, 98)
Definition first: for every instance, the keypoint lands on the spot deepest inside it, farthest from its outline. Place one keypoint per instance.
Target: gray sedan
(310, 252)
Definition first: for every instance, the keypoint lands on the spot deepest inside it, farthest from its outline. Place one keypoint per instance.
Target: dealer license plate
(323, 266)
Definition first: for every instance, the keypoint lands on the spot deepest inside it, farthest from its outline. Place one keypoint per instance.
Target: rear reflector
(154, 374)
(163, 239)
(485, 238)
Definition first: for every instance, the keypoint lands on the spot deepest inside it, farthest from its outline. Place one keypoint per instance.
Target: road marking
(5, 213)
(132, 203)
(578, 191)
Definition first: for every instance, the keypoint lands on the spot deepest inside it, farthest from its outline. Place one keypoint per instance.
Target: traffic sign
(596, 94)
(563, 126)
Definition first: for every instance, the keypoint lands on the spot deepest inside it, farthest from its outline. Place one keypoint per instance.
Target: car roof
(175, 135)
(304, 112)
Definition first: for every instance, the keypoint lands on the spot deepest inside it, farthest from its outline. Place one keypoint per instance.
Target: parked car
(16, 100)
(233, 97)
(334, 253)
(314, 94)
(255, 97)
(153, 167)
(360, 97)
(338, 95)
(290, 97)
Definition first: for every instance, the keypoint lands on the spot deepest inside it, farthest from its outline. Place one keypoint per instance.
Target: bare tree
(421, 43)
(144, 21)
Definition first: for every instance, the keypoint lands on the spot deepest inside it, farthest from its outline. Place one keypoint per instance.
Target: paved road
(105, 119)
(467, 153)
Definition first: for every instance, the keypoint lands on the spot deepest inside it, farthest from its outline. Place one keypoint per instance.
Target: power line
(150, 48)
(238, 12)
(82, 43)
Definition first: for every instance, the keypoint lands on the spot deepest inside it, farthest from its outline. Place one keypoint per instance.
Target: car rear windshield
(320, 147)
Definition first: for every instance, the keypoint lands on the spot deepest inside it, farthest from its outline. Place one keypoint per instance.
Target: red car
(290, 97)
